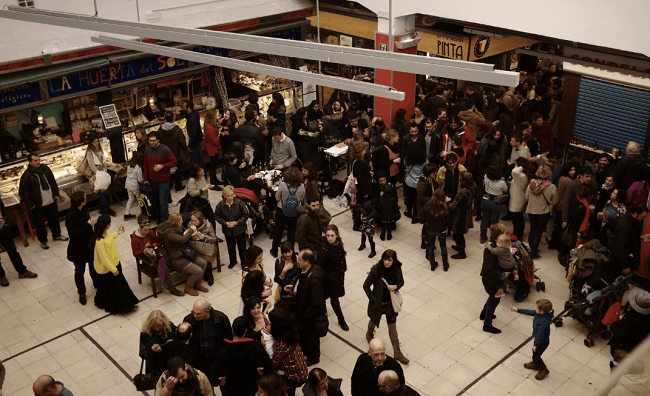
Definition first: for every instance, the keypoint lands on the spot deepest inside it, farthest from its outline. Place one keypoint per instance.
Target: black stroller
(259, 214)
(595, 294)
(526, 270)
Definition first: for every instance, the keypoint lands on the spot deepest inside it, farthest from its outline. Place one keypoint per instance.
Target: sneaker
(531, 366)
(500, 293)
(61, 238)
(537, 256)
(4, 282)
(27, 275)
(135, 308)
(541, 374)
(173, 203)
(129, 217)
(45, 246)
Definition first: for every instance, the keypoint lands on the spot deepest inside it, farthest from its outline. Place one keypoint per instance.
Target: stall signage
(444, 46)
(19, 95)
(287, 34)
(96, 78)
(485, 47)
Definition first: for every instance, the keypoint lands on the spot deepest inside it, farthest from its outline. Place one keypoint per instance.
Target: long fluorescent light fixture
(442, 67)
(289, 74)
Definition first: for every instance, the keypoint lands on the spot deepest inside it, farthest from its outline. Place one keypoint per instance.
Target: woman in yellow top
(113, 292)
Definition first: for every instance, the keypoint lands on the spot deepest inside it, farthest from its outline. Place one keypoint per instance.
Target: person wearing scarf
(39, 192)
(541, 195)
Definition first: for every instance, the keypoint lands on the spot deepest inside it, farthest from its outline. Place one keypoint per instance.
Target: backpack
(290, 206)
(145, 205)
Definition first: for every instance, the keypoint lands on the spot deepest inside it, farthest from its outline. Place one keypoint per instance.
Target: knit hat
(640, 301)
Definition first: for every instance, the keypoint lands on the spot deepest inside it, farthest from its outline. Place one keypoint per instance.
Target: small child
(132, 183)
(542, 318)
(368, 215)
(504, 257)
(388, 211)
(249, 153)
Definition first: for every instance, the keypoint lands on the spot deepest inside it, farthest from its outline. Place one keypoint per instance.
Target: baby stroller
(526, 270)
(598, 309)
(258, 213)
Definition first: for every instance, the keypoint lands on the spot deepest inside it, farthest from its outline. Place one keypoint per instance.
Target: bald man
(369, 366)
(388, 384)
(45, 385)
(180, 346)
(210, 328)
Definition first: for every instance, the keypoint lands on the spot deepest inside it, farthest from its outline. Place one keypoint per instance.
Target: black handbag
(321, 324)
(144, 382)
(189, 253)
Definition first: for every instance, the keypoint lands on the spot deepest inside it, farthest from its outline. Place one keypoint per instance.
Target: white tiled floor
(44, 329)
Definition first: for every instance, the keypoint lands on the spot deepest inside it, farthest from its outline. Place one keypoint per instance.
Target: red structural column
(404, 82)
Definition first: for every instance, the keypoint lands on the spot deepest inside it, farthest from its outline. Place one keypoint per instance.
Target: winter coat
(249, 132)
(361, 172)
(76, 222)
(388, 209)
(518, 190)
(194, 129)
(238, 362)
(220, 326)
(424, 191)
(212, 141)
(541, 202)
(30, 187)
(562, 184)
(432, 224)
(461, 209)
(627, 244)
(572, 190)
(203, 385)
(133, 178)
(174, 241)
(541, 325)
(308, 229)
(173, 137)
(237, 211)
(310, 300)
(376, 295)
(448, 179)
(491, 273)
(331, 259)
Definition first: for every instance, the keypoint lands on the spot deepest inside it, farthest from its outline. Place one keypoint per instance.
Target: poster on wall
(109, 115)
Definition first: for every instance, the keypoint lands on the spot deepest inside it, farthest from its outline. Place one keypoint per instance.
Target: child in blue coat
(542, 318)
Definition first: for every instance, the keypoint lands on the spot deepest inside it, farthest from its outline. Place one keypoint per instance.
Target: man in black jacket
(631, 167)
(211, 329)
(39, 192)
(627, 239)
(308, 225)
(173, 137)
(249, 132)
(236, 368)
(368, 367)
(193, 131)
(309, 303)
(413, 137)
(7, 241)
(80, 228)
(180, 346)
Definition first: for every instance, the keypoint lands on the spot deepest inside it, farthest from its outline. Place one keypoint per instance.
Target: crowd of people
(459, 159)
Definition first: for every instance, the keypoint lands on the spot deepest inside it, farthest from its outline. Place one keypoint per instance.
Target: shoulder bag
(189, 253)
(396, 298)
(144, 382)
(203, 248)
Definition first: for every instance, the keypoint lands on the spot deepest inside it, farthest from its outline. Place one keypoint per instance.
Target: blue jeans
(537, 226)
(490, 211)
(442, 238)
(161, 195)
(195, 157)
(489, 308)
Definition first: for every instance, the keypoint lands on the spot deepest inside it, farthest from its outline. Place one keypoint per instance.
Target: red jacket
(138, 242)
(544, 135)
(212, 141)
(469, 142)
(160, 155)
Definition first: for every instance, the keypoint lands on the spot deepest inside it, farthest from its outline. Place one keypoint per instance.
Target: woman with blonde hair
(157, 330)
(175, 240)
(541, 195)
(95, 161)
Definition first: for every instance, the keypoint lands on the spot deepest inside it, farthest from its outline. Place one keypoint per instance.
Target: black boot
(372, 248)
(432, 262)
(363, 242)
(461, 253)
(423, 244)
(382, 236)
(339, 315)
(445, 263)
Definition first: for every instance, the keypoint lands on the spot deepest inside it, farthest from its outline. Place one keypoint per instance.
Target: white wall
(613, 24)
(23, 40)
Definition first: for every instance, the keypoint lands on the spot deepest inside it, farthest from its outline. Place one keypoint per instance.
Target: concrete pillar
(405, 82)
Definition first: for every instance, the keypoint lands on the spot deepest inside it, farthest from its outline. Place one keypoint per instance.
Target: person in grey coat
(232, 214)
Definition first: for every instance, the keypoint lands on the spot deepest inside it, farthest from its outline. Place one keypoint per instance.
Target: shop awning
(48, 72)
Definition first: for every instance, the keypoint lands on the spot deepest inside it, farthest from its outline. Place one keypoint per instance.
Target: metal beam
(442, 67)
(289, 74)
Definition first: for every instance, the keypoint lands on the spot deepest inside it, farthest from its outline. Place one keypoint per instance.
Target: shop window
(26, 3)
